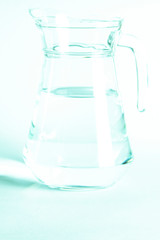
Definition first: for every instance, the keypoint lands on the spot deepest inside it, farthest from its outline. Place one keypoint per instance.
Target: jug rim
(47, 18)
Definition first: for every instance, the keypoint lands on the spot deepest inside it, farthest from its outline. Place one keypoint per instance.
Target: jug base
(79, 179)
(74, 188)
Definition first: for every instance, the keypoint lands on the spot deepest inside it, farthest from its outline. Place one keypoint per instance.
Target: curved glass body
(78, 137)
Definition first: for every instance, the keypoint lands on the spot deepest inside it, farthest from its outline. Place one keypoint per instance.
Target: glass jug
(78, 137)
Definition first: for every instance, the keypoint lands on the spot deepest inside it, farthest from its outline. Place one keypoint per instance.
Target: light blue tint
(78, 138)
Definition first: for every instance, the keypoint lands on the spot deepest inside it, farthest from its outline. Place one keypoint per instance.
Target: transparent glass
(78, 137)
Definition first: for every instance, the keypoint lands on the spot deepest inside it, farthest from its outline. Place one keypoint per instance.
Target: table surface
(128, 210)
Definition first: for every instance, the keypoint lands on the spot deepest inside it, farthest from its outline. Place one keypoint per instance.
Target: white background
(20, 65)
(129, 210)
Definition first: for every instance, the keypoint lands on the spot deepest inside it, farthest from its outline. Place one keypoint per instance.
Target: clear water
(77, 138)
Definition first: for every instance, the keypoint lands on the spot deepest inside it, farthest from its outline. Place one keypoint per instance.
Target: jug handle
(131, 42)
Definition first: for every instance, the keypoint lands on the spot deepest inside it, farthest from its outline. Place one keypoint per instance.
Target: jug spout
(84, 37)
